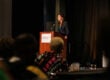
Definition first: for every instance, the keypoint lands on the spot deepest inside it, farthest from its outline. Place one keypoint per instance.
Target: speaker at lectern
(45, 38)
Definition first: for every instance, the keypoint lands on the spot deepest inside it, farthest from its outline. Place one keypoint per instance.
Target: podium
(45, 38)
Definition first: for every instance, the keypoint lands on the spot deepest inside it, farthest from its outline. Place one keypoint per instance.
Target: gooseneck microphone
(53, 27)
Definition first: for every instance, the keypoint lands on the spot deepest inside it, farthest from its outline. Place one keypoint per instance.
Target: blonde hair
(57, 44)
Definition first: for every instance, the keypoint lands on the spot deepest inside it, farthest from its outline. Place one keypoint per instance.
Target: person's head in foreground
(57, 44)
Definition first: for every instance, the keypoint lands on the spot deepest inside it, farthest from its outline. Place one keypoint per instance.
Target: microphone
(53, 27)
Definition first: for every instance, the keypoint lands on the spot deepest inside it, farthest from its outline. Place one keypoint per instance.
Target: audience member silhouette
(23, 68)
(52, 61)
(6, 52)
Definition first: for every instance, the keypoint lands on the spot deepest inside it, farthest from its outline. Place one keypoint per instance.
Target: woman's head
(57, 44)
(60, 17)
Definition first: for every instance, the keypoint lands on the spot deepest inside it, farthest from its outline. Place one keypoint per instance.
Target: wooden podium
(45, 38)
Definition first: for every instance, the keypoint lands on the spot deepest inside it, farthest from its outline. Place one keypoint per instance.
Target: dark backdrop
(84, 18)
(27, 17)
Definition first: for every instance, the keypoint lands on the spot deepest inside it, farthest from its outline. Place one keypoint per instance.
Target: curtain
(84, 17)
(5, 18)
(95, 11)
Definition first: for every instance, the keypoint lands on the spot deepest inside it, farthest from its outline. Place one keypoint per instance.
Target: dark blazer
(63, 29)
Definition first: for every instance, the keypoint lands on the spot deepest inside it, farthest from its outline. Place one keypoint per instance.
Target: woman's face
(59, 17)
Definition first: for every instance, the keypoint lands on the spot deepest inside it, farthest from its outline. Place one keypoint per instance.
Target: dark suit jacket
(63, 29)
